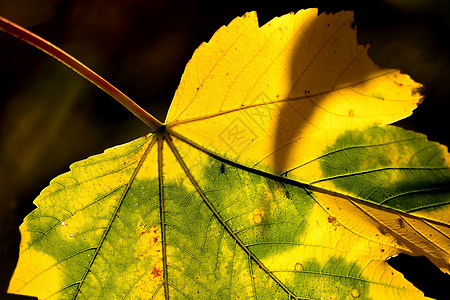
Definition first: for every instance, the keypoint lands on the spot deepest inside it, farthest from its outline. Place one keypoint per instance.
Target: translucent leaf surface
(276, 176)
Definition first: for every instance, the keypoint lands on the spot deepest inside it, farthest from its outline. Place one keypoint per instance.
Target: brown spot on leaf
(351, 113)
(148, 241)
(333, 222)
(156, 272)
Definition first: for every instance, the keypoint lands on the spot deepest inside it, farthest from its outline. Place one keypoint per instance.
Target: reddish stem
(81, 69)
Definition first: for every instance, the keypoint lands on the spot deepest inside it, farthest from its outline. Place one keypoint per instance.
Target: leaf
(275, 176)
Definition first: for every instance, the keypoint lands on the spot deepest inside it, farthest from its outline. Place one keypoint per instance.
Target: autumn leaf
(275, 176)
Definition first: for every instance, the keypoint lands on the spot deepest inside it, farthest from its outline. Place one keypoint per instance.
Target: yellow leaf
(275, 176)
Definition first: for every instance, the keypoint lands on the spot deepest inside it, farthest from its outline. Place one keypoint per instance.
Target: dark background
(51, 117)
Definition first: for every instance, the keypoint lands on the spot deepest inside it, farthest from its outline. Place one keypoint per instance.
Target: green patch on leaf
(336, 279)
(378, 95)
(388, 165)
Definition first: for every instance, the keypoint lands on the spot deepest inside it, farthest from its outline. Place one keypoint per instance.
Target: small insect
(222, 169)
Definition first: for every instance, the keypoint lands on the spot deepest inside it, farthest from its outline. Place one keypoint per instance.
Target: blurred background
(50, 117)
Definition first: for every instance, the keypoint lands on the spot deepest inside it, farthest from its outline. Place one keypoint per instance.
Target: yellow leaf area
(275, 177)
(258, 95)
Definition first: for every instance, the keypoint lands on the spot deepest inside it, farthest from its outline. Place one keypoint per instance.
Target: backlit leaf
(275, 176)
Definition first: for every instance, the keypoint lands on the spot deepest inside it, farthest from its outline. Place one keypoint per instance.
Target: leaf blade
(71, 238)
(191, 213)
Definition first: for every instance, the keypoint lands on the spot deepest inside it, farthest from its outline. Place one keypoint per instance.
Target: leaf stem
(71, 62)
